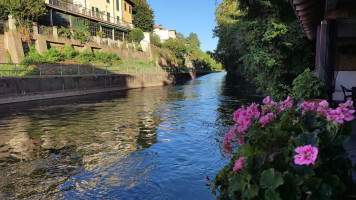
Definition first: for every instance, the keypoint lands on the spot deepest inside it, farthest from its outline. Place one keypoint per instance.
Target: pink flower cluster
(238, 164)
(307, 107)
(243, 116)
(228, 141)
(306, 155)
(288, 103)
(269, 105)
(270, 117)
(339, 115)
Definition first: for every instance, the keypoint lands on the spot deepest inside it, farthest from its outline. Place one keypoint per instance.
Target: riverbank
(15, 90)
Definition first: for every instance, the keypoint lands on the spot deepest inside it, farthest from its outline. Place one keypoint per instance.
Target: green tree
(25, 12)
(136, 35)
(193, 42)
(177, 46)
(143, 15)
(263, 41)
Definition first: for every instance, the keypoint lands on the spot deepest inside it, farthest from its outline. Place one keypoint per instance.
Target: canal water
(152, 143)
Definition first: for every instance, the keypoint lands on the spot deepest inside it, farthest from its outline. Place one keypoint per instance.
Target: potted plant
(308, 87)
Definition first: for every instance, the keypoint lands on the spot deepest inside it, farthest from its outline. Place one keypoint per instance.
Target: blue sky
(186, 16)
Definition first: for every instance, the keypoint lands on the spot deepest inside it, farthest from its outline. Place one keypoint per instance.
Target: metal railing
(34, 70)
(78, 8)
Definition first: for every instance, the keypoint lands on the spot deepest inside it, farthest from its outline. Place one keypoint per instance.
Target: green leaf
(310, 138)
(270, 178)
(246, 150)
(290, 188)
(272, 194)
(303, 170)
(251, 191)
(238, 183)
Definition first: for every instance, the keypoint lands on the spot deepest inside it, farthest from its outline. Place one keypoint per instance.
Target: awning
(117, 28)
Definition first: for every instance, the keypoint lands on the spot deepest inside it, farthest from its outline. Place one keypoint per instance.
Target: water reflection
(154, 143)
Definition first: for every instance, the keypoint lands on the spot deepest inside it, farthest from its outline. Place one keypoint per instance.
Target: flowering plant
(281, 151)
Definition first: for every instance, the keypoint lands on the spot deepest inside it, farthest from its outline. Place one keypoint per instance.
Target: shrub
(86, 57)
(307, 86)
(102, 57)
(101, 34)
(69, 52)
(288, 153)
(107, 58)
(52, 55)
(32, 57)
(136, 35)
(82, 35)
(8, 56)
(114, 57)
(155, 40)
(64, 32)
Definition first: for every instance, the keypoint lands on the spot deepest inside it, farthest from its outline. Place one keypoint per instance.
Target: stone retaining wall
(22, 89)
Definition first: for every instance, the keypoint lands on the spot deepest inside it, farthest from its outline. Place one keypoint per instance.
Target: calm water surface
(153, 143)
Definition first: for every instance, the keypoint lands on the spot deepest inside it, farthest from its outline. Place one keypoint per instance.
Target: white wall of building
(162, 33)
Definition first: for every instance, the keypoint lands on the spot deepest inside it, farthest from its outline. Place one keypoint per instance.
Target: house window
(117, 5)
(125, 7)
(117, 19)
(107, 1)
(130, 10)
(92, 11)
(107, 32)
(94, 28)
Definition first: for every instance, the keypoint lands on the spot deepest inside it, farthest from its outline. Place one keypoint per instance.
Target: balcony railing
(79, 9)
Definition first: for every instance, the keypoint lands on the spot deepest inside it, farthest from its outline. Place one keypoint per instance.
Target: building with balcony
(112, 17)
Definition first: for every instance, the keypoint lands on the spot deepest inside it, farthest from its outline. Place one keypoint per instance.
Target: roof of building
(130, 2)
(311, 12)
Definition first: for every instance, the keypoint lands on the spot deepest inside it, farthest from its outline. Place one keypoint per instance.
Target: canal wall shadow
(13, 90)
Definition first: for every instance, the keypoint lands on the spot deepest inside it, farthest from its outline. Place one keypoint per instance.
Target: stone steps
(3, 58)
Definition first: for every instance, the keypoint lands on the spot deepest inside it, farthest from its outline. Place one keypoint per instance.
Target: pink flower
(228, 142)
(267, 100)
(330, 117)
(241, 138)
(270, 117)
(307, 106)
(239, 164)
(324, 104)
(306, 155)
(349, 117)
(242, 128)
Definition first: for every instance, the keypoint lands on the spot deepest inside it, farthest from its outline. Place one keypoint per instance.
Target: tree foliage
(25, 12)
(143, 15)
(136, 35)
(263, 41)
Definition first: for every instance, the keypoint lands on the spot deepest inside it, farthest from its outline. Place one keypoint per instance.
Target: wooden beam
(343, 11)
(298, 1)
(309, 4)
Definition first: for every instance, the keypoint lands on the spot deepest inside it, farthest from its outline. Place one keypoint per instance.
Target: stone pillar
(55, 31)
(35, 28)
(51, 17)
(12, 22)
(113, 34)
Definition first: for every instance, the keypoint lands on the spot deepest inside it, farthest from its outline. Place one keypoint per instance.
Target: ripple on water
(153, 143)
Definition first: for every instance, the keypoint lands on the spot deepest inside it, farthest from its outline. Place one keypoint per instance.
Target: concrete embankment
(21, 89)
